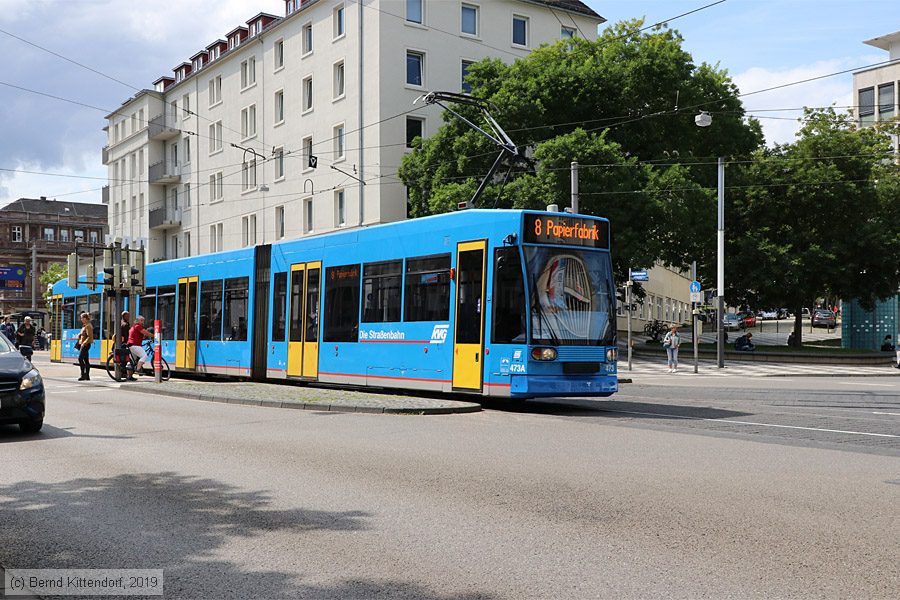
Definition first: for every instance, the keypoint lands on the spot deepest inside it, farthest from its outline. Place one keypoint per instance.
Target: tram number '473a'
(516, 368)
(439, 334)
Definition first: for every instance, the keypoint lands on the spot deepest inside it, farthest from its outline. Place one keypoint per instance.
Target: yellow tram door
(186, 328)
(56, 329)
(468, 331)
(303, 343)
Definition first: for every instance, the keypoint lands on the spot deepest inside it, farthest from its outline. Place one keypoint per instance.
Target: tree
(54, 272)
(819, 217)
(612, 105)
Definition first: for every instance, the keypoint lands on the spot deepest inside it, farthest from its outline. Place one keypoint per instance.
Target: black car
(21, 390)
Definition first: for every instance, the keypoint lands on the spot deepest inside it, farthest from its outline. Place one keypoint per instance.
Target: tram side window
(381, 289)
(94, 310)
(342, 304)
(427, 288)
(165, 312)
(279, 312)
(147, 306)
(211, 310)
(237, 293)
(68, 313)
(509, 298)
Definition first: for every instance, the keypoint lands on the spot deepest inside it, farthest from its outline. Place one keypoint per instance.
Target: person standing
(25, 334)
(9, 330)
(671, 343)
(85, 339)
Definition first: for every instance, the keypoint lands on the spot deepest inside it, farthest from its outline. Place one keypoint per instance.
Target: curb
(464, 407)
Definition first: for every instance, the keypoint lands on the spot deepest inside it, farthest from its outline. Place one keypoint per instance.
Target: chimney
(44, 198)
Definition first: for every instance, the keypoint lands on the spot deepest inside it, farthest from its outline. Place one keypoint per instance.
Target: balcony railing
(165, 218)
(164, 172)
(163, 127)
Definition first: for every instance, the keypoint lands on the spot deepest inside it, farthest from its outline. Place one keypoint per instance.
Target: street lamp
(704, 119)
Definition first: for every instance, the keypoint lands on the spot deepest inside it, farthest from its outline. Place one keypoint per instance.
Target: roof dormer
(182, 71)
(260, 22)
(199, 60)
(215, 50)
(162, 83)
(236, 36)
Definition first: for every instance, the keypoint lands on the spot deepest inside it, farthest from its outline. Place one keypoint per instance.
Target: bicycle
(112, 362)
(655, 329)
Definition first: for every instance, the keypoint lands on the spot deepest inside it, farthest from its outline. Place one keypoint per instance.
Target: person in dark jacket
(25, 334)
(9, 330)
(745, 343)
(85, 339)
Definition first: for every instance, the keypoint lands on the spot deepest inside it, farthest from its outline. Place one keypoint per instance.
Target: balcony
(164, 172)
(105, 155)
(104, 195)
(163, 127)
(165, 218)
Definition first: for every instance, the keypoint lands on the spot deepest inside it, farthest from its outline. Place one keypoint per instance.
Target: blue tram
(494, 302)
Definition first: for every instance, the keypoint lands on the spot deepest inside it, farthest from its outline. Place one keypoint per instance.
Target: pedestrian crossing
(652, 367)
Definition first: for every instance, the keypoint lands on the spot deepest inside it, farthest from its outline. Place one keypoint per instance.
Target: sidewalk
(271, 395)
(653, 365)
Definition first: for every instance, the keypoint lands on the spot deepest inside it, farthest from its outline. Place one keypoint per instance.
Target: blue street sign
(13, 273)
(639, 275)
(695, 286)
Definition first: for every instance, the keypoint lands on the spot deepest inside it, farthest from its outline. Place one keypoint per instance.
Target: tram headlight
(612, 354)
(543, 353)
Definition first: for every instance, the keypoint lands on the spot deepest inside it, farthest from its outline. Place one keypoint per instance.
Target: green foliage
(611, 106)
(54, 272)
(819, 218)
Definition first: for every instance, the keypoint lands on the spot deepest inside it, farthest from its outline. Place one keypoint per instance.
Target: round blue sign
(695, 286)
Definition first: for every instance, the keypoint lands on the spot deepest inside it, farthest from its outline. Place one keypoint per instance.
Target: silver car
(732, 322)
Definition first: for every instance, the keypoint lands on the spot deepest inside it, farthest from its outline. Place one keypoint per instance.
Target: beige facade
(217, 157)
(668, 298)
(876, 91)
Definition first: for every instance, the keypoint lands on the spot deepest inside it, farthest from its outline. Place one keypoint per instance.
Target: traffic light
(112, 277)
(137, 270)
(91, 277)
(73, 271)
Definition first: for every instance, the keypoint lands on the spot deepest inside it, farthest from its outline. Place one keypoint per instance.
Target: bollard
(157, 353)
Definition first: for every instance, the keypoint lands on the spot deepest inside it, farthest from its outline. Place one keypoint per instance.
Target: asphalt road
(675, 489)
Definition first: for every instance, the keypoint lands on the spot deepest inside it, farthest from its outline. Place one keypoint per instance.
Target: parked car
(823, 318)
(732, 322)
(768, 315)
(748, 320)
(21, 390)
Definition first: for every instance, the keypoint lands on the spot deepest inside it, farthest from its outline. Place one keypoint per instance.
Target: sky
(761, 43)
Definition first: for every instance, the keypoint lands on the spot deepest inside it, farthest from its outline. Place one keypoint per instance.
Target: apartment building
(296, 124)
(876, 90)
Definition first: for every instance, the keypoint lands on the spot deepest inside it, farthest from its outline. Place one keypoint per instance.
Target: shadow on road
(610, 409)
(12, 433)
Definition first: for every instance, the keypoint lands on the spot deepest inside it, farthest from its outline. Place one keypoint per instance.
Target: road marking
(886, 413)
(635, 412)
(863, 383)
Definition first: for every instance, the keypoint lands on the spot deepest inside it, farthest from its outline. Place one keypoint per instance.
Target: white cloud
(837, 91)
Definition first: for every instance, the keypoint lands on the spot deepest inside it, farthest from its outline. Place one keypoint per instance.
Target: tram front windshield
(571, 296)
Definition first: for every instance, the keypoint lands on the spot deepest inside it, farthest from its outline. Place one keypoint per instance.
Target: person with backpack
(671, 343)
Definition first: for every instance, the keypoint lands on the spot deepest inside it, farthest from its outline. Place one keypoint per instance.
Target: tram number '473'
(439, 334)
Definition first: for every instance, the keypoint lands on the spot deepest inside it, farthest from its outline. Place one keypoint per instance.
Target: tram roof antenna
(497, 134)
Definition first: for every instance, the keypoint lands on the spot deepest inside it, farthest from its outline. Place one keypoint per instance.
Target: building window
(867, 106)
(215, 90)
(469, 19)
(279, 54)
(248, 176)
(237, 295)
(340, 218)
(49, 234)
(186, 143)
(341, 304)
(414, 11)
(886, 102)
(307, 215)
(245, 234)
(465, 85)
(338, 139)
(187, 243)
(279, 163)
(215, 137)
(307, 38)
(185, 106)
(307, 152)
(93, 237)
(567, 33)
(307, 94)
(290, 10)
(248, 121)
(415, 68)
(414, 129)
(17, 233)
(279, 107)
(215, 187)
(187, 197)
(339, 80)
(338, 22)
(520, 30)
(248, 72)
(427, 289)
(64, 235)
(381, 291)
(79, 234)
(279, 222)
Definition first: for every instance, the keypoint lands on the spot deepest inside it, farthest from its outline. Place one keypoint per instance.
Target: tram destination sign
(566, 230)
